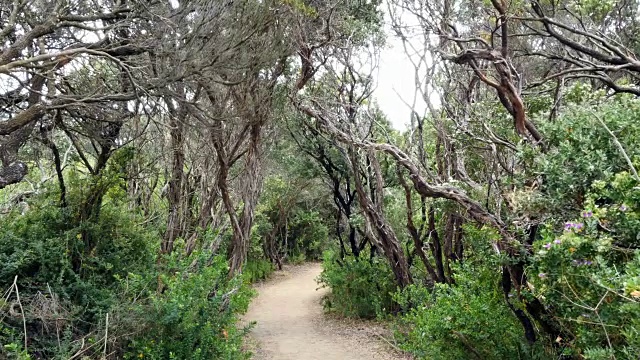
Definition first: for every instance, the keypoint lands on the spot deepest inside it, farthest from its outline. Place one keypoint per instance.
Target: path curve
(291, 324)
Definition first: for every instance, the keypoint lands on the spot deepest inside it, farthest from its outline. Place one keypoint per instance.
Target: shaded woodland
(157, 157)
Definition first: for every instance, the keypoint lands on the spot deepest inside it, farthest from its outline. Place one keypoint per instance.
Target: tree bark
(386, 236)
(175, 222)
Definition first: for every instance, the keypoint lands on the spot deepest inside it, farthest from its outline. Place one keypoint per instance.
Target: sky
(395, 82)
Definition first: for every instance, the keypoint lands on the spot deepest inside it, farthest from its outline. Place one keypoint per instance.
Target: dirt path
(291, 324)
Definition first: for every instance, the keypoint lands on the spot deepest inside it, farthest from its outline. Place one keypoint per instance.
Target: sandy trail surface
(291, 324)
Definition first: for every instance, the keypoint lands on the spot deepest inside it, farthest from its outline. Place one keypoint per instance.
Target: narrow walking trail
(291, 324)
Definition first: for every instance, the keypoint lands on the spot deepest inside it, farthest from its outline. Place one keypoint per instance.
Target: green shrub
(468, 320)
(57, 277)
(15, 351)
(589, 273)
(359, 287)
(309, 236)
(297, 259)
(582, 151)
(257, 269)
(195, 318)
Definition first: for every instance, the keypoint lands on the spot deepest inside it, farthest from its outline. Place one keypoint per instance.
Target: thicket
(582, 263)
(79, 302)
(359, 287)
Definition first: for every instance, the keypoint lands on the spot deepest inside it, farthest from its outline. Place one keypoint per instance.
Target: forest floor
(291, 323)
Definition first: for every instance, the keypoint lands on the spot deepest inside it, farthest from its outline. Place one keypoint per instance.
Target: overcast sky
(395, 81)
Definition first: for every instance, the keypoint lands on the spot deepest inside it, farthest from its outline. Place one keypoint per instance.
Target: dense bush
(167, 309)
(360, 287)
(57, 278)
(584, 266)
(257, 269)
(309, 236)
(589, 272)
(582, 151)
(467, 320)
(41, 246)
(196, 317)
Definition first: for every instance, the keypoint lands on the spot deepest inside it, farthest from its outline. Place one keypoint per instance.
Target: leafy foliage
(45, 246)
(468, 319)
(359, 287)
(196, 317)
(135, 165)
(590, 273)
(582, 151)
(257, 269)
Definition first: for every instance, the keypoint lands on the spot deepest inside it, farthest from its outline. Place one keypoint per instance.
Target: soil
(291, 324)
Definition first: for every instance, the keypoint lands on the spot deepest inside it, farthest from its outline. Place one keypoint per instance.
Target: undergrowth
(116, 299)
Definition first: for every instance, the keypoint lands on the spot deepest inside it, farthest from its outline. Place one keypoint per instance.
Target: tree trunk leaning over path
(387, 238)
